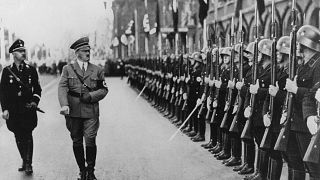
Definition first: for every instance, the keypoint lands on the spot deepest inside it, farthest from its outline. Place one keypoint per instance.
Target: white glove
(214, 104)
(283, 117)
(178, 80)
(317, 96)
(231, 84)
(64, 110)
(218, 83)
(184, 96)
(174, 79)
(239, 85)
(206, 80)
(211, 83)
(182, 78)
(312, 123)
(203, 97)
(247, 112)
(235, 108)
(273, 90)
(267, 120)
(187, 79)
(254, 88)
(208, 102)
(198, 102)
(291, 86)
(5, 114)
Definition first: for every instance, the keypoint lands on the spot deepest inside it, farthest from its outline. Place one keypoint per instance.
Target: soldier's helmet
(250, 48)
(196, 56)
(309, 36)
(237, 47)
(264, 46)
(226, 51)
(283, 45)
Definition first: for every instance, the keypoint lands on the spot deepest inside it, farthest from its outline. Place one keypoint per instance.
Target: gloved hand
(254, 88)
(317, 96)
(184, 96)
(209, 101)
(239, 84)
(5, 114)
(313, 124)
(273, 90)
(291, 86)
(198, 102)
(64, 110)
(267, 120)
(231, 83)
(85, 98)
(247, 112)
(218, 83)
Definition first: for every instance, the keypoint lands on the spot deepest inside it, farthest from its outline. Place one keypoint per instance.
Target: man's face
(83, 54)
(19, 55)
(226, 59)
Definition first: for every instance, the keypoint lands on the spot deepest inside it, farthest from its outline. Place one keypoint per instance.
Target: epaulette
(313, 60)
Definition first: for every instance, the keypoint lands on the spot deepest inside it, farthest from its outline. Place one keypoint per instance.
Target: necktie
(83, 69)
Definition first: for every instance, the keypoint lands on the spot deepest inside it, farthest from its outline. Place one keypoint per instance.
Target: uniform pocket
(93, 82)
(72, 81)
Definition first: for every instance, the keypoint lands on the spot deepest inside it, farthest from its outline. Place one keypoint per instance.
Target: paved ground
(132, 144)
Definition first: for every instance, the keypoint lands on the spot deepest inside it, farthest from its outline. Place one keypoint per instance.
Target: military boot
(29, 153)
(22, 150)
(78, 152)
(91, 153)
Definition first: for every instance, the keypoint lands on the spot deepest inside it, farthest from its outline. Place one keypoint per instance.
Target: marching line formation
(263, 94)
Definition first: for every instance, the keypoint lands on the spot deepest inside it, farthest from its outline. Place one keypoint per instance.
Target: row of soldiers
(258, 99)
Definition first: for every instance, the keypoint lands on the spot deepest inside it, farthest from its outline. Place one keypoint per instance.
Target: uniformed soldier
(81, 87)
(304, 119)
(273, 123)
(260, 89)
(247, 166)
(20, 93)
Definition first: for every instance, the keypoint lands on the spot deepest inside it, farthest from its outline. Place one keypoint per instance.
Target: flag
(203, 10)
(238, 7)
(261, 7)
(157, 24)
(175, 15)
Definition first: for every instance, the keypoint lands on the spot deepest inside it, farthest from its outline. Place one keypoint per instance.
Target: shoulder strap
(17, 78)
(80, 79)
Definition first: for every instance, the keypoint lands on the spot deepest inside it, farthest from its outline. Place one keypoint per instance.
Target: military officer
(20, 94)
(304, 118)
(81, 87)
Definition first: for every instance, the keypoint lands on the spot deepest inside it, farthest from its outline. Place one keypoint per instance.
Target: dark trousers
(263, 155)
(24, 141)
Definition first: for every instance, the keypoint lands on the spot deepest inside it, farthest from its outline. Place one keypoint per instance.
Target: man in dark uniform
(304, 118)
(81, 88)
(260, 90)
(20, 93)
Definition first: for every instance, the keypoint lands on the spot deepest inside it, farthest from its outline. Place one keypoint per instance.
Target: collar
(81, 63)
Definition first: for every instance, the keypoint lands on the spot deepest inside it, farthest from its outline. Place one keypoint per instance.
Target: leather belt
(74, 94)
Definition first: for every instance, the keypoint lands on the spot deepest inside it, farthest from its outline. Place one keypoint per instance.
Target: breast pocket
(93, 81)
(72, 81)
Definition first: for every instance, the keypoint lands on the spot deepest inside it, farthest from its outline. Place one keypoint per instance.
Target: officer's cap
(264, 46)
(283, 45)
(309, 36)
(80, 44)
(17, 45)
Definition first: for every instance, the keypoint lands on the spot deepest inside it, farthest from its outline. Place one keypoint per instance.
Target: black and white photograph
(160, 89)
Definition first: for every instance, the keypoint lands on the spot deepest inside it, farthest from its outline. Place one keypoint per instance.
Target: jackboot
(78, 152)
(22, 150)
(275, 169)
(91, 153)
(29, 153)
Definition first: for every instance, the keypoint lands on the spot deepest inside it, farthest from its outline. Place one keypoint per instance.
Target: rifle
(313, 152)
(217, 90)
(267, 136)
(238, 102)
(186, 74)
(246, 132)
(229, 99)
(282, 141)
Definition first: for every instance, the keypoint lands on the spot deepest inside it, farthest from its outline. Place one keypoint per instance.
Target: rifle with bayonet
(217, 90)
(282, 141)
(267, 136)
(313, 151)
(239, 101)
(246, 132)
(186, 93)
(230, 97)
